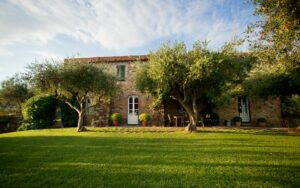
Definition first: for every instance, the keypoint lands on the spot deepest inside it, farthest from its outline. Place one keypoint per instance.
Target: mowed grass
(149, 157)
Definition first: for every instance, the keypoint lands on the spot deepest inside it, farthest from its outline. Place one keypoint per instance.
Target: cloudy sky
(33, 30)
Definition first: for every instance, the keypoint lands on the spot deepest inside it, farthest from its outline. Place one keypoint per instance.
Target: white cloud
(114, 24)
(4, 52)
(41, 55)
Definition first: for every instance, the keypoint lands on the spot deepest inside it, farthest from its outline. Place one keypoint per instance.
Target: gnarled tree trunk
(80, 126)
(192, 126)
(80, 111)
(191, 110)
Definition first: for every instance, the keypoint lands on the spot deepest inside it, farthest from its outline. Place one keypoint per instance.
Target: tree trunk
(191, 111)
(80, 111)
(192, 126)
(195, 109)
(79, 123)
(80, 126)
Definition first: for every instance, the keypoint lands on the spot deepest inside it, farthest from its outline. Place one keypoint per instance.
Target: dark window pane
(130, 99)
(136, 112)
(136, 100)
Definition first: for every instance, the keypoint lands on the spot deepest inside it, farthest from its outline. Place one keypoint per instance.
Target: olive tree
(191, 76)
(275, 41)
(73, 80)
(14, 91)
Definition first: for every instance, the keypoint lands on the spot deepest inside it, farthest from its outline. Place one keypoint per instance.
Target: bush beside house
(38, 112)
(116, 119)
(144, 118)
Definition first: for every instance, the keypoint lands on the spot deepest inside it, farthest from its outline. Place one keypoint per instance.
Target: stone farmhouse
(129, 102)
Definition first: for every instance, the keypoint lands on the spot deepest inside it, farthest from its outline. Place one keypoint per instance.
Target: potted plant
(237, 120)
(144, 118)
(262, 122)
(116, 119)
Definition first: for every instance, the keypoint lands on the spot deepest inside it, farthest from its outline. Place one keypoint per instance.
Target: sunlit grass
(149, 157)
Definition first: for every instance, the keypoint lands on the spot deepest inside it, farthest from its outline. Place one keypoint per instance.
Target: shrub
(116, 117)
(261, 120)
(38, 112)
(236, 119)
(144, 117)
(290, 107)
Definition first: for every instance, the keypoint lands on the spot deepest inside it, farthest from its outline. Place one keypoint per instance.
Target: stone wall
(119, 103)
(227, 112)
(267, 108)
(99, 116)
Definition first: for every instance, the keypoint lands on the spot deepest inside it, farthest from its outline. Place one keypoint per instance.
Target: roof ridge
(111, 58)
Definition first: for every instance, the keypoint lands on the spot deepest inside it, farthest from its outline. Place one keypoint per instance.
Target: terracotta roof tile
(111, 59)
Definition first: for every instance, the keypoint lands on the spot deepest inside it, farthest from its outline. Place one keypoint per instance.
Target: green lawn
(139, 157)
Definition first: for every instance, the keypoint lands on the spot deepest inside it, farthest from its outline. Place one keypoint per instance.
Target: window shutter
(121, 72)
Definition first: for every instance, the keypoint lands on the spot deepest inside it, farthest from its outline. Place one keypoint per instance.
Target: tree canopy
(191, 77)
(14, 91)
(73, 80)
(275, 42)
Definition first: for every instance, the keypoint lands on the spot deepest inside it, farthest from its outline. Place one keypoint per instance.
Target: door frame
(248, 108)
(133, 109)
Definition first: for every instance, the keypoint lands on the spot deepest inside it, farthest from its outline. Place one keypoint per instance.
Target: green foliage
(290, 106)
(144, 82)
(144, 117)
(236, 119)
(261, 120)
(116, 117)
(280, 24)
(79, 77)
(73, 79)
(193, 77)
(14, 91)
(45, 76)
(38, 112)
(276, 45)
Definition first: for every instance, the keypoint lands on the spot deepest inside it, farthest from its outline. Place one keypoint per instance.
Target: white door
(244, 109)
(133, 110)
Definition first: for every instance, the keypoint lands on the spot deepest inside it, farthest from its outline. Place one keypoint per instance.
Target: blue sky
(33, 30)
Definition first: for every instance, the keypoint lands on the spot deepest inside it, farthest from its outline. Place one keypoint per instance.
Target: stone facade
(267, 108)
(99, 116)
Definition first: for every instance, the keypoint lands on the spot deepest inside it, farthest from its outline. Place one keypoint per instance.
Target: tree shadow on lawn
(144, 162)
(120, 175)
(39, 163)
(249, 131)
(134, 130)
(253, 131)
